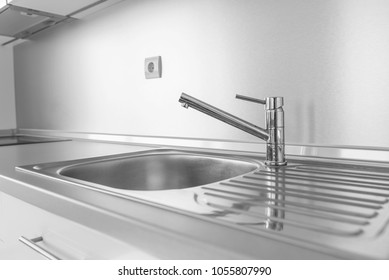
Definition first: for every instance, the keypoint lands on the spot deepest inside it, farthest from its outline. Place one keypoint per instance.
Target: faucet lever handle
(251, 99)
(271, 103)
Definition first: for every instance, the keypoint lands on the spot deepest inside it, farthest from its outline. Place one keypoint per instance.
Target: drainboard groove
(353, 183)
(241, 208)
(383, 228)
(289, 194)
(349, 171)
(255, 186)
(298, 205)
(323, 216)
(352, 231)
(302, 231)
(376, 177)
(313, 186)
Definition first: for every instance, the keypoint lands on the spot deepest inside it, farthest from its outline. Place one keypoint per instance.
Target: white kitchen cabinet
(21, 19)
(65, 8)
(9, 248)
(61, 237)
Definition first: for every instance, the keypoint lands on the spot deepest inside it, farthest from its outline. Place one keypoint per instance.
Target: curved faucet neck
(273, 134)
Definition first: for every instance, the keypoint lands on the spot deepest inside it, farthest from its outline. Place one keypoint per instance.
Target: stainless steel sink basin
(151, 170)
(158, 170)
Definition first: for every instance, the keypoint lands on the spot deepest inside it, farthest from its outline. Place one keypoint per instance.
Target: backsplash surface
(7, 97)
(328, 59)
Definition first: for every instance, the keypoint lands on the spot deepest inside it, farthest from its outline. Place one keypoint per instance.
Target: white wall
(328, 58)
(7, 91)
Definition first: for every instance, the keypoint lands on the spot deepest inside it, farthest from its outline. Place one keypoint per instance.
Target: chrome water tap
(273, 133)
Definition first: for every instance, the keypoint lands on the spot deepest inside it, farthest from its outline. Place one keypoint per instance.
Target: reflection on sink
(151, 170)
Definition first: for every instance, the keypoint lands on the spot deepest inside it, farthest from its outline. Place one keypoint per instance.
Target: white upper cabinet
(20, 19)
(73, 8)
(59, 7)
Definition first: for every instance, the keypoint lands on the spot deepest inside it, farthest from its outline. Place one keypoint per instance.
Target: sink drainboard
(334, 204)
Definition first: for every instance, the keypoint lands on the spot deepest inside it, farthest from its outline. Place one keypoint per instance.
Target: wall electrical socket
(153, 67)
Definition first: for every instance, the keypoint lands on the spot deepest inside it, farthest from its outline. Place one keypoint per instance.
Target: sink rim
(52, 170)
(173, 159)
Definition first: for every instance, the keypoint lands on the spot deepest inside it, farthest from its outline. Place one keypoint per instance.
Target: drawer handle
(32, 244)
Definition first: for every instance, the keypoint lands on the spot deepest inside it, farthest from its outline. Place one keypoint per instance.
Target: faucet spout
(273, 134)
(189, 101)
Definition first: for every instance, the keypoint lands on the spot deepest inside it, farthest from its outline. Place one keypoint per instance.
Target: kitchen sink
(150, 170)
(336, 206)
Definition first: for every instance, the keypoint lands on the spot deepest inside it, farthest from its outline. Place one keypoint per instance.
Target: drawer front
(54, 235)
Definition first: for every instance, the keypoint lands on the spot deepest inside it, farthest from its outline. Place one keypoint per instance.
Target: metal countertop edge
(352, 153)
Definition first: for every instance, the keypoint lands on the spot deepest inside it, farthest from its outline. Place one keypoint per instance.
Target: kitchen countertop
(158, 230)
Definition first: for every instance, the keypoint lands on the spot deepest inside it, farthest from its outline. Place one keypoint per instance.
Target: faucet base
(275, 164)
(275, 155)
